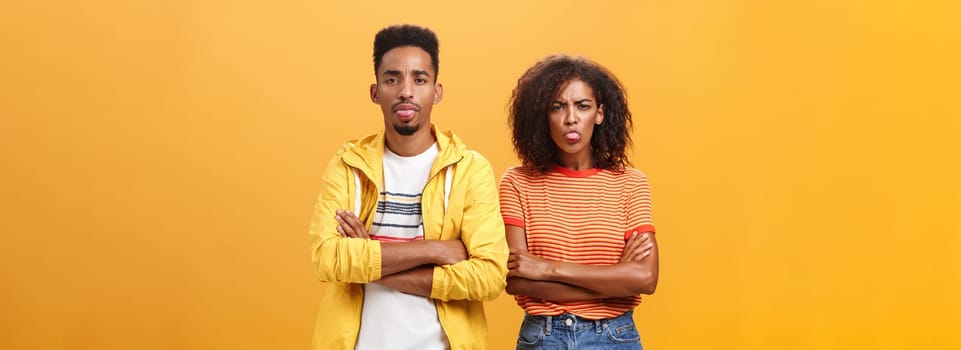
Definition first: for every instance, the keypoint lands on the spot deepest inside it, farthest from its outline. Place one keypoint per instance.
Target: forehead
(574, 90)
(406, 58)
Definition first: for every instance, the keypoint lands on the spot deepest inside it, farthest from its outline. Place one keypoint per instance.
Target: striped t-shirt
(391, 319)
(579, 217)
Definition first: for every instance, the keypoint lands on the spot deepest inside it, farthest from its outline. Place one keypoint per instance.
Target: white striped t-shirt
(392, 319)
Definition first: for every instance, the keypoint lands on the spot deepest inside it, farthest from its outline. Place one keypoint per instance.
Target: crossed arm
(528, 275)
(409, 266)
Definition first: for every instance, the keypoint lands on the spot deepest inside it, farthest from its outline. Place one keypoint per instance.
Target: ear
(438, 92)
(373, 93)
(600, 115)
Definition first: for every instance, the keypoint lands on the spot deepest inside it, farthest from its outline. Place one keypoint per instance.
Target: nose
(570, 116)
(407, 89)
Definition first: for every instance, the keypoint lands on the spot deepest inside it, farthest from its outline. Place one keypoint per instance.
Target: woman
(578, 217)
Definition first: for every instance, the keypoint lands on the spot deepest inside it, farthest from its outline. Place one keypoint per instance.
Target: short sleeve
(639, 205)
(512, 209)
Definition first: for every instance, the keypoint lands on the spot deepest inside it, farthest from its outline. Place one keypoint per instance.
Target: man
(407, 227)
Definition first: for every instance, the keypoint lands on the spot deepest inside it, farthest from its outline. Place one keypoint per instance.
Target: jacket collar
(367, 154)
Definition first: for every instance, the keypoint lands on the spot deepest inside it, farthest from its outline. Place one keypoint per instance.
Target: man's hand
(637, 247)
(350, 226)
(443, 252)
(522, 264)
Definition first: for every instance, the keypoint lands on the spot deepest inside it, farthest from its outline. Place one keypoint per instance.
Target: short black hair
(401, 35)
(529, 109)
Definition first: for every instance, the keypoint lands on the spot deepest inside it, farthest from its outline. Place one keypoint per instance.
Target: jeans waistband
(572, 322)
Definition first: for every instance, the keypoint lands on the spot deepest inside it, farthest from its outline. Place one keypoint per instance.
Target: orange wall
(160, 161)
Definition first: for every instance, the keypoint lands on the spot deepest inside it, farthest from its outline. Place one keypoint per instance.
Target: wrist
(435, 251)
(554, 271)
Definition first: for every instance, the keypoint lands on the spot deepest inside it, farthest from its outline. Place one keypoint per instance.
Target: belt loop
(548, 323)
(598, 326)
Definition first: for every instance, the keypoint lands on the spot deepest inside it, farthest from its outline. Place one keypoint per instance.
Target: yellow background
(160, 161)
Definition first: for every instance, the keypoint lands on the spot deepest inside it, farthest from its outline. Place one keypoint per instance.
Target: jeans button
(568, 322)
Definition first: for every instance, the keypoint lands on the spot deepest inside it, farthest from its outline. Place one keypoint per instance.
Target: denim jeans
(567, 331)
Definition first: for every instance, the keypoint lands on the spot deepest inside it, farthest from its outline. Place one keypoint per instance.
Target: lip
(406, 107)
(405, 112)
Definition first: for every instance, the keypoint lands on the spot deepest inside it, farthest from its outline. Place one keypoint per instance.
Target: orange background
(160, 161)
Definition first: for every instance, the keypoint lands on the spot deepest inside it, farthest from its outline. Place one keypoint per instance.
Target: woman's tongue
(572, 136)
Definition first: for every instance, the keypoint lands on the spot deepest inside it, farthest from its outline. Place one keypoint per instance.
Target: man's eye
(421, 81)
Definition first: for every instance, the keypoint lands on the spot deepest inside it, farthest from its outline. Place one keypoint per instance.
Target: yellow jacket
(472, 215)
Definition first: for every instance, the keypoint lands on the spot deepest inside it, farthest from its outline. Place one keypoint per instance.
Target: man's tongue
(405, 113)
(573, 136)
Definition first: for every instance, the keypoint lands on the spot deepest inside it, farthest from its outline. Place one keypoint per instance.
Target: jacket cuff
(374, 269)
(438, 284)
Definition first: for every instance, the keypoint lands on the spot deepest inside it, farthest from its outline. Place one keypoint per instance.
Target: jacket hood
(367, 153)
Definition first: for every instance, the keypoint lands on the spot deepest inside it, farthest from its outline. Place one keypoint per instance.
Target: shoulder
(634, 174)
(519, 173)
(474, 163)
(357, 145)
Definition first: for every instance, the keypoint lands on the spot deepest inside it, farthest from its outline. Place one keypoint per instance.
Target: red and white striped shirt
(580, 217)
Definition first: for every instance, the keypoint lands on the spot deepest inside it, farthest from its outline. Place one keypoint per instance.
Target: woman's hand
(522, 264)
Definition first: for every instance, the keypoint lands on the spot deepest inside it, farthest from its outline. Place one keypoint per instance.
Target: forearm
(549, 290)
(400, 257)
(621, 279)
(415, 281)
(479, 278)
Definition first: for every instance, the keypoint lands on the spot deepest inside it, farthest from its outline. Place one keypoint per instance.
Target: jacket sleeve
(338, 259)
(482, 275)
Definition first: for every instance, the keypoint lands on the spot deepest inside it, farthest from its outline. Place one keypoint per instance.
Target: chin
(406, 129)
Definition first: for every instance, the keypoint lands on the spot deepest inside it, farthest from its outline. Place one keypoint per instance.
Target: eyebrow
(418, 72)
(575, 102)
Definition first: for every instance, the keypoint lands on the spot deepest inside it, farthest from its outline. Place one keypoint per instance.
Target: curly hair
(406, 35)
(531, 99)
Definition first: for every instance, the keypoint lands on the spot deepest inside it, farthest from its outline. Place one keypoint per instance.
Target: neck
(406, 146)
(575, 161)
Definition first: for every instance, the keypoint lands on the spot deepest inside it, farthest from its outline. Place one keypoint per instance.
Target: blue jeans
(567, 331)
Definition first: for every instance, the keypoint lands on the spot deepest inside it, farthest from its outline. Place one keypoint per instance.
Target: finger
(628, 244)
(512, 265)
(641, 239)
(643, 255)
(641, 242)
(645, 238)
(341, 231)
(647, 251)
(358, 226)
(353, 221)
(349, 231)
(633, 243)
(630, 247)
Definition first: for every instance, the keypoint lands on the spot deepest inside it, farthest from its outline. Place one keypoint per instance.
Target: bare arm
(400, 257)
(626, 278)
(415, 281)
(635, 274)
(557, 290)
